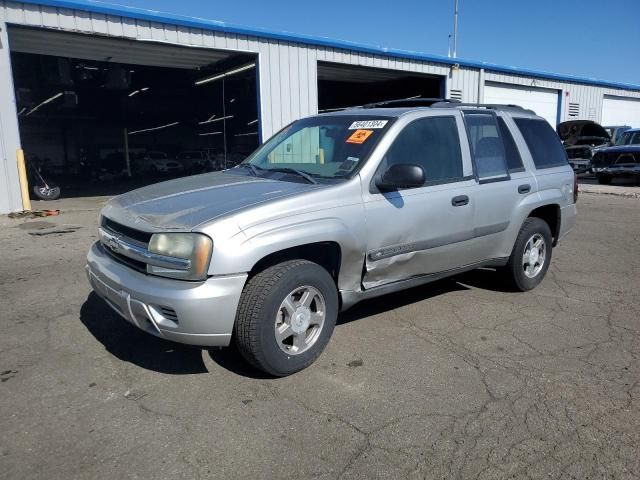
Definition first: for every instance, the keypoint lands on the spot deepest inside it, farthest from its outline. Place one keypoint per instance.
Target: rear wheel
(531, 255)
(286, 316)
(604, 180)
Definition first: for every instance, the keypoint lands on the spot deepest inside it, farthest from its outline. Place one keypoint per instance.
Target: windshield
(323, 148)
(629, 138)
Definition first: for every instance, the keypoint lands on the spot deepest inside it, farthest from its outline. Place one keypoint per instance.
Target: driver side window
(434, 144)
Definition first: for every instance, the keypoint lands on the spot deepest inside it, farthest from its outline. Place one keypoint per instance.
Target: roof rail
(409, 102)
(489, 106)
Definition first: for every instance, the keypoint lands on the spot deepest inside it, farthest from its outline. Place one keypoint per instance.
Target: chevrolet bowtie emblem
(113, 243)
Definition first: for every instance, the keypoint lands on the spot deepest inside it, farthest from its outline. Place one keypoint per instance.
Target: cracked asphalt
(458, 379)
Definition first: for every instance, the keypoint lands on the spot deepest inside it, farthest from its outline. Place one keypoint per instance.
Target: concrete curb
(625, 192)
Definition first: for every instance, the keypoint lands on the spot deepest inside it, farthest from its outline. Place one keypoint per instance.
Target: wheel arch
(549, 213)
(327, 254)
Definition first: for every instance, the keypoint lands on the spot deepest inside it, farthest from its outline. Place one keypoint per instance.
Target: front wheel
(604, 180)
(46, 192)
(286, 316)
(531, 255)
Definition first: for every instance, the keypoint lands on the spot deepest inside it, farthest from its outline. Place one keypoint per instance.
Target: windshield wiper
(252, 167)
(300, 173)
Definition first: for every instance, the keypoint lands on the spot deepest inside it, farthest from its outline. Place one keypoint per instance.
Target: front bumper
(568, 216)
(580, 165)
(195, 313)
(630, 172)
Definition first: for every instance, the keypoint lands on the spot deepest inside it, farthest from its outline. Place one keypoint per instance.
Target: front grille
(129, 262)
(578, 153)
(130, 235)
(123, 230)
(603, 159)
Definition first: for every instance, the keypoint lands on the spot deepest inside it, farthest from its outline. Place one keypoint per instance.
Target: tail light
(575, 188)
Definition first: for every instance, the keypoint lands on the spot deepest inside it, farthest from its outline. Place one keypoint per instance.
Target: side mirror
(403, 175)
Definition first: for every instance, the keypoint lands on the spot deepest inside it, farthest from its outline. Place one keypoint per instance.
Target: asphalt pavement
(458, 379)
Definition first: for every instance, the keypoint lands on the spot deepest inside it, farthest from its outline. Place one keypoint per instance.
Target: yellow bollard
(24, 183)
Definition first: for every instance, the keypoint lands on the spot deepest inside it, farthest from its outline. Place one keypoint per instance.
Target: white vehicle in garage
(158, 162)
(194, 161)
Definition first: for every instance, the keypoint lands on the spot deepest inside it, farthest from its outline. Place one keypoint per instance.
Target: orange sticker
(359, 136)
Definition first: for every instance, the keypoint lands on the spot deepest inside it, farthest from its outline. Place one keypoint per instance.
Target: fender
(244, 250)
(525, 207)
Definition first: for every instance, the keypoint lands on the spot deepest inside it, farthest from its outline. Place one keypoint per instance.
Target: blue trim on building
(192, 22)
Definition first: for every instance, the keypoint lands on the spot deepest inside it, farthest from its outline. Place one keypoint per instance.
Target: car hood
(620, 149)
(184, 203)
(570, 132)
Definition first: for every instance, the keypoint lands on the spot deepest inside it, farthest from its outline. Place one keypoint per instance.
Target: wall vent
(455, 94)
(574, 109)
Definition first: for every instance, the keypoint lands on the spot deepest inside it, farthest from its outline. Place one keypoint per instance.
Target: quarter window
(434, 144)
(543, 143)
(514, 161)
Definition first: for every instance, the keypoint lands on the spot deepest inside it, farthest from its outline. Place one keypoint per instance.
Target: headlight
(195, 248)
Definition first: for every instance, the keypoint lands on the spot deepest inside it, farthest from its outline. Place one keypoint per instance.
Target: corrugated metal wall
(589, 97)
(287, 70)
(10, 199)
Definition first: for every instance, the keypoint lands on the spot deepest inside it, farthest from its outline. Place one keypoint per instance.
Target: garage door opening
(543, 101)
(341, 86)
(101, 116)
(619, 111)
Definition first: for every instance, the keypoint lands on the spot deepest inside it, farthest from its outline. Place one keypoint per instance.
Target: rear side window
(432, 143)
(543, 142)
(514, 161)
(486, 146)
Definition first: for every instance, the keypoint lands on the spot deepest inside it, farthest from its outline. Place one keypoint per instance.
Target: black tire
(51, 192)
(603, 180)
(254, 329)
(515, 269)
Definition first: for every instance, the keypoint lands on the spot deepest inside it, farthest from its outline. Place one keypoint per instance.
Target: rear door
(501, 182)
(423, 230)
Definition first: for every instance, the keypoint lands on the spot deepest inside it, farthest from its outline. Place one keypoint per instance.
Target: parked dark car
(621, 160)
(580, 138)
(615, 132)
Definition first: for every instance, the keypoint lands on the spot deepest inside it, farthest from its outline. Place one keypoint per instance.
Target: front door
(424, 230)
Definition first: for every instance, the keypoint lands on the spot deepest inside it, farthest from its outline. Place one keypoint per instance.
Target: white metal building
(294, 73)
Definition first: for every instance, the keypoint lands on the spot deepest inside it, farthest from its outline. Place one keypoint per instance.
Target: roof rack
(409, 102)
(488, 106)
(436, 103)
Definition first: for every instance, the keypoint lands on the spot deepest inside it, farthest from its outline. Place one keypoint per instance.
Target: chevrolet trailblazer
(332, 210)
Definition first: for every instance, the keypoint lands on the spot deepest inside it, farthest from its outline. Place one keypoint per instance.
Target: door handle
(459, 201)
(526, 188)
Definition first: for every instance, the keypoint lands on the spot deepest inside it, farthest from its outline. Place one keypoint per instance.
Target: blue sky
(590, 38)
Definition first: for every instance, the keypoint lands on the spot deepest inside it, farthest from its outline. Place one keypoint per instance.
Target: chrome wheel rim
(534, 256)
(299, 320)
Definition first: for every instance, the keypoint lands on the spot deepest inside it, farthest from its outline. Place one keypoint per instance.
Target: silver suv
(332, 210)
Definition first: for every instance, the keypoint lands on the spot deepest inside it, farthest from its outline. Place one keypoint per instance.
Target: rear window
(543, 142)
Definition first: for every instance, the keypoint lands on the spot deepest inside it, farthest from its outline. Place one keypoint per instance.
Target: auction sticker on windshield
(368, 124)
(359, 136)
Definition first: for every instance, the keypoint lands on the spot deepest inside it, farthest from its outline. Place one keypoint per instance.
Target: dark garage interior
(341, 86)
(103, 116)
